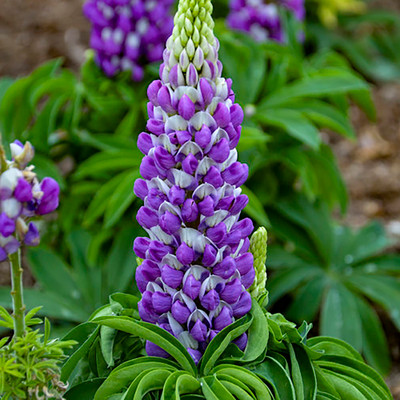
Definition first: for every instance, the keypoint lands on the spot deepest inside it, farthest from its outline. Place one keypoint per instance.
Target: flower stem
(17, 294)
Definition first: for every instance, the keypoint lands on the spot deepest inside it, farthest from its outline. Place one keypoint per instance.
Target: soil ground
(32, 32)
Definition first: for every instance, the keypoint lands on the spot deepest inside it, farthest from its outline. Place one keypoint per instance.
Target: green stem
(17, 294)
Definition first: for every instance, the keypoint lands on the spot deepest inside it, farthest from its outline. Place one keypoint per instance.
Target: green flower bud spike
(258, 247)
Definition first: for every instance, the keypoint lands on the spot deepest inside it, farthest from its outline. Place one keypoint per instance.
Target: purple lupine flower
(196, 264)
(262, 19)
(127, 34)
(22, 196)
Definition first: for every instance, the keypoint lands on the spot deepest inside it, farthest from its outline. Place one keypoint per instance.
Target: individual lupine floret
(262, 19)
(22, 197)
(127, 34)
(196, 264)
(258, 247)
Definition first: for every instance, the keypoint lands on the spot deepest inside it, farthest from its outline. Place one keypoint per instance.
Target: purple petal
(163, 158)
(170, 223)
(189, 164)
(226, 268)
(23, 191)
(243, 306)
(195, 354)
(223, 319)
(232, 291)
(209, 255)
(161, 302)
(176, 195)
(241, 342)
(153, 350)
(213, 177)
(147, 272)
(217, 233)
(140, 188)
(190, 211)
(248, 279)
(152, 91)
(32, 237)
(236, 114)
(191, 287)
(203, 136)
(199, 331)
(157, 250)
(171, 276)
(236, 174)
(185, 254)
(146, 217)
(140, 246)
(206, 206)
(220, 151)
(206, 90)
(186, 107)
(148, 168)
(180, 312)
(7, 225)
(144, 143)
(244, 263)
(210, 301)
(222, 115)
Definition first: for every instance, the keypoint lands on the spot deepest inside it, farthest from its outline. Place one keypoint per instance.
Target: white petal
(171, 260)
(159, 184)
(189, 91)
(204, 166)
(210, 283)
(204, 190)
(182, 179)
(197, 271)
(156, 233)
(9, 178)
(12, 207)
(188, 341)
(215, 219)
(190, 304)
(233, 156)
(202, 118)
(194, 239)
(164, 141)
(167, 206)
(175, 325)
(175, 123)
(190, 148)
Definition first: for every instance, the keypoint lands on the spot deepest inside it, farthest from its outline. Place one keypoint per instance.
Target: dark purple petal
(144, 143)
(23, 191)
(49, 200)
(148, 168)
(190, 211)
(32, 237)
(171, 276)
(161, 302)
(248, 279)
(226, 268)
(220, 151)
(206, 90)
(225, 203)
(153, 90)
(222, 115)
(223, 319)
(209, 255)
(240, 203)
(199, 331)
(185, 254)
(203, 136)
(236, 174)
(183, 137)
(3, 254)
(236, 114)
(155, 126)
(147, 272)
(153, 350)
(157, 250)
(176, 195)
(146, 217)
(213, 177)
(217, 233)
(155, 198)
(164, 100)
(140, 246)
(163, 158)
(232, 291)
(241, 342)
(140, 188)
(191, 287)
(206, 206)
(186, 107)
(189, 164)
(180, 312)
(170, 223)
(7, 225)
(243, 306)
(244, 263)
(210, 300)
(195, 354)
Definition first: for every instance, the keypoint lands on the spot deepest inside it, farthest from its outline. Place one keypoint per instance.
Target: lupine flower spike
(197, 266)
(262, 19)
(22, 197)
(258, 247)
(127, 34)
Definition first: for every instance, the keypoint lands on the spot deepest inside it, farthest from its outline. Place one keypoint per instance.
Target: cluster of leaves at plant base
(338, 272)
(30, 365)
(278, 363)
(369, 41)
(70, 293)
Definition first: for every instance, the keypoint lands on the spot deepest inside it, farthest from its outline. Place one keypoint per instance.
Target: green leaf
(53, 275)
(79, 352)
(340, 317)
(179, 382)
(292, 122)
(375, 346)
(121, 199)
(126, 373)
(154, 334)
(273, 372)
(325, 83)
(255, 209)
(85, 390)
(213, 389)
(217, 346)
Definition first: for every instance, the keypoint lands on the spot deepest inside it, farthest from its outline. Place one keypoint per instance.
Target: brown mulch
(33, 31)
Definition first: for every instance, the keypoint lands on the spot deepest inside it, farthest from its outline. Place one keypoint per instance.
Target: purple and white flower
(22, 196)
(262, 19)
(127, 34)
(197, 264)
